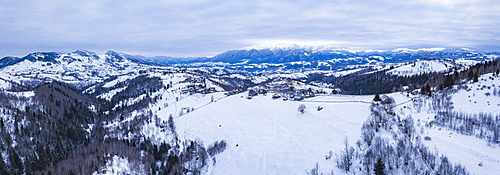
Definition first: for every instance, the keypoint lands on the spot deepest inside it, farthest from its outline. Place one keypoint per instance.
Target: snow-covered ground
(4, 84)
(121, 165)
(472, 152)
(469, 151)
(466, 150)
(267, 136)
(481, 96)
(418, 67)
(69, 70)
(111, 93)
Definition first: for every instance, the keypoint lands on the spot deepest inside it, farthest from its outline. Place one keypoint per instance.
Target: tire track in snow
(263, 164)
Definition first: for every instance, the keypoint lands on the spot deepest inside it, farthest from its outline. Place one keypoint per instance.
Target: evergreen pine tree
(448, 81)
(377, 97)
(15, 161)
(428, 90)
(3, 167)
(379, 167)
(423, 90)
(470, 74)
(476, 77)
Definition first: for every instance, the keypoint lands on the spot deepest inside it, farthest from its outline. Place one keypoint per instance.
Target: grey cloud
(206, 27)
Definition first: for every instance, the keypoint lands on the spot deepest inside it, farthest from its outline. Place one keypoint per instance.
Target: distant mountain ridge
(343, 56)
(54, 57)
(80, 67)
(277, 55)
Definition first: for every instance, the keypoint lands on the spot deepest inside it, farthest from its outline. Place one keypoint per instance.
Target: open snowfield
(481, 96)
(425, 66)
(267, 136)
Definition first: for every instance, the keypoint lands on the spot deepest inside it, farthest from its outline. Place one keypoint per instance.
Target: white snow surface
(466, 150)
(4, 84)
(86, 70)
(479, 96)
(268, 136)
(118, 80)
(122, 166)
(424, 66)
(111, 93)
(469, 151)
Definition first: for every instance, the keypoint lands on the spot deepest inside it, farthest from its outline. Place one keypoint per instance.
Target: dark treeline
(382, 82)
(139, 86)
(44, 128)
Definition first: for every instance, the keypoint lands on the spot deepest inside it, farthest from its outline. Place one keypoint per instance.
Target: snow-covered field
(470, 151)
(424, 66)
(482, 96)
(268, 136)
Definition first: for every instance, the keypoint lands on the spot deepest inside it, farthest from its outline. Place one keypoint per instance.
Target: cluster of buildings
(196, 85)
(286, 90)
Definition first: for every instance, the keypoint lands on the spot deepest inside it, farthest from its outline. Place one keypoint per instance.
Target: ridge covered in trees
(59, 130)
(363, 83)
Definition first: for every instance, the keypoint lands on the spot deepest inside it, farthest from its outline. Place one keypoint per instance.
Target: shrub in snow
(302, 108)
(217, 147)
(315, 170)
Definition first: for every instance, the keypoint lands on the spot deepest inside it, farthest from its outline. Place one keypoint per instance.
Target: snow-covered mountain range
(322, 58)
(283, 110)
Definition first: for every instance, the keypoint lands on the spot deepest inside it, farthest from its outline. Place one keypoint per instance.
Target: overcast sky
(183, 28)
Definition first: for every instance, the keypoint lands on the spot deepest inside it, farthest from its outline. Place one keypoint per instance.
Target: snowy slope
(268, 136)
(466, 150)
(469, 151)
(428, 66)
(475, 154)
(120, 165)
(4, 84)
(80, 67)
(482, 96)
(424, 66)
